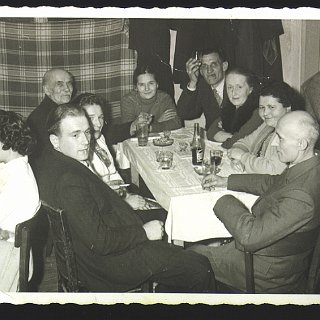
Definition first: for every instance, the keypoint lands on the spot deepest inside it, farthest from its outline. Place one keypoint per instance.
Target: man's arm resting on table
(281, 218)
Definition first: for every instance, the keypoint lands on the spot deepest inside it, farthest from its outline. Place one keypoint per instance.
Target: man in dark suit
(115, 251)
(284, 224)
(57, 85)
(205, 92)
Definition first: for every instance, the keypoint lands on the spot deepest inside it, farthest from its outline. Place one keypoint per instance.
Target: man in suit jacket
(57, 85)
(115, 251)
(284, 223)
(206, 93)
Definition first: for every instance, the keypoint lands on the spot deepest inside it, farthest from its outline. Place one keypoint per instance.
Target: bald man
(284, 224)
(57, 85)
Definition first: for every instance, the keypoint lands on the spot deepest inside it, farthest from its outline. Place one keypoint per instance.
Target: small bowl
(163, 143)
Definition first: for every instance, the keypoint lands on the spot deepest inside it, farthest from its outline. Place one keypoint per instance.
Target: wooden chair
(65, 259)
(23, 240)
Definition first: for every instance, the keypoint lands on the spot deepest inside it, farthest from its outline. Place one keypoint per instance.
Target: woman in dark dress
(239, 116)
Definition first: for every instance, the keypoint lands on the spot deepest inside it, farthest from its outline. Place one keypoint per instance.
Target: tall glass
(142, 133)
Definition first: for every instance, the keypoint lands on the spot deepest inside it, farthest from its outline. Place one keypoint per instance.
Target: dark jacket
(112, 251)
(239, 122)
(192, 104)
(283, 225)
(37, 121)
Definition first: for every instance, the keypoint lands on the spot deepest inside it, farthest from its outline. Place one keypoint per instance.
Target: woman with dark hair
(239, 115)
(19, 197)
(147, 98)
(255, 152)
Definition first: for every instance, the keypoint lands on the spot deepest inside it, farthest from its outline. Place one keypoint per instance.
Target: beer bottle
(196, 147)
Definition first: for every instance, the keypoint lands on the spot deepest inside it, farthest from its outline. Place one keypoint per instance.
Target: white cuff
(191, 89)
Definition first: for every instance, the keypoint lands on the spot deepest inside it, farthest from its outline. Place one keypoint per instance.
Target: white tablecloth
(179, 191)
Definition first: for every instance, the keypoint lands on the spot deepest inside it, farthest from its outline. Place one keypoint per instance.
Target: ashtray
(163, 142)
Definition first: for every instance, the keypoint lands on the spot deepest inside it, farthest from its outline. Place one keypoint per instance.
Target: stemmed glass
(216, 158)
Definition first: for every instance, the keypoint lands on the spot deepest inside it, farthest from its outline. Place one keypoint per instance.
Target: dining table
(178, 190)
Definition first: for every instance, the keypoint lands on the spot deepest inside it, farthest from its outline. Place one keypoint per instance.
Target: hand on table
(235, 153)
(192, 67)
(135, 201)
(222, 136)
(236, 165)
(154, 229)
(211, 181)
(167, 115)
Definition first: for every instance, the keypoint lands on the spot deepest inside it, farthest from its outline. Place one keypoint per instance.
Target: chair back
(65, 258)
(313, 281)
(23, 240)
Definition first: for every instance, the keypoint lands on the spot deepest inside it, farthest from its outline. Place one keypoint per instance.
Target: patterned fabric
(95, 51)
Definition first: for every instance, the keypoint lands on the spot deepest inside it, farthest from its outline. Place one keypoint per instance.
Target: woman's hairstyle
(89, 99)
(143, 69)
(251, 79)
(62, 111)
(285, 94)
(15, 134)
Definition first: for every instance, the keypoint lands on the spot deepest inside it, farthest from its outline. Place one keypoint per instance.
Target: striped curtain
(95, 51)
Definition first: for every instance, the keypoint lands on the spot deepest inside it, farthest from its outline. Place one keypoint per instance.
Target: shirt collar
(219, 87)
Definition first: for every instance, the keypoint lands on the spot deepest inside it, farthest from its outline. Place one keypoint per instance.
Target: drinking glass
(166, 159)
(142, 133)
(216, 158)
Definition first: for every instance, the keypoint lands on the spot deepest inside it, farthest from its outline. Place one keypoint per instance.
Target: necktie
(102, 155)
(217, 97)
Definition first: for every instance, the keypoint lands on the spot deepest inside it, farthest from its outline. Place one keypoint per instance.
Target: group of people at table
(118, 242)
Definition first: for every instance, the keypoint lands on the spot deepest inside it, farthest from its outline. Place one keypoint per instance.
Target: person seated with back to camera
(255, 152)
(239, 115)
(146, 98)
(101, 159)
(19, 197)
(115, 250)
(282, 227)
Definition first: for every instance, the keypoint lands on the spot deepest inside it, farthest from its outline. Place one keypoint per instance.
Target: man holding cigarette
(205, 92)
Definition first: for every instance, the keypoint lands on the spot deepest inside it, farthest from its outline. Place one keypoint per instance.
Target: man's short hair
(61, 112)
(47, 76)
(15, 133)
(217, 50)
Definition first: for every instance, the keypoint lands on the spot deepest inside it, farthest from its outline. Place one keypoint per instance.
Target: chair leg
(248, 260)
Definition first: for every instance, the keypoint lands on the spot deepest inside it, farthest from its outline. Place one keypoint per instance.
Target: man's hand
(222, 136)
(135, 201)
(154, 229)
(192, 67)
(142, 117)
(235, 153)
(237, 166)
(211, 181)
(167, 115)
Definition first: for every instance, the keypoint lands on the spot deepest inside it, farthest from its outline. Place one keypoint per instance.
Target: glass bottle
(196, 147)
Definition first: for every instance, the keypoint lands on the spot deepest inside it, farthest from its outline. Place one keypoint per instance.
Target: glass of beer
(216, 158)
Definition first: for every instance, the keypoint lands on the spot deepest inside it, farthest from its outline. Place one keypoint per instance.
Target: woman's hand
(211, 181)
(167, 115)
(235, 153)
(222, 136)
(237, 166)
(192, 67)
(135, 201)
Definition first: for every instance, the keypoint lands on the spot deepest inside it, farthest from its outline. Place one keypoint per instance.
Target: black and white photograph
(164, 155)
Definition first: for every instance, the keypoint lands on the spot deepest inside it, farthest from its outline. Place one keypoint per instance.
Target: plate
(162, 143)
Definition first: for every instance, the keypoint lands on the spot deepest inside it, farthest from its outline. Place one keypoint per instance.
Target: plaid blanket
(95, 51)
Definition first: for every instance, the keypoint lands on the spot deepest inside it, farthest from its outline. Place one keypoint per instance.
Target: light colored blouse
(98, 167)
(268, 162)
